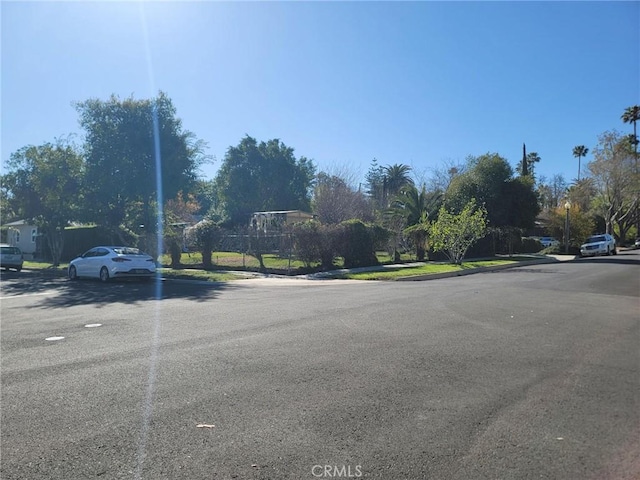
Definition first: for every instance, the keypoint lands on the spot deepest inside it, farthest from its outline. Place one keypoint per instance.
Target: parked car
(601, 244)
(637, 243)
(112, 262)
(11, 257)
(549, 241)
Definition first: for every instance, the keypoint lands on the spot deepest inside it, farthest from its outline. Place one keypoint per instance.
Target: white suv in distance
(601, 244)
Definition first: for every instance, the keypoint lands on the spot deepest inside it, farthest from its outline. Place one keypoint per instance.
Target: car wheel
(104, 274)
(18, 269)
(608, 252)
(73, 273)
(615, 251)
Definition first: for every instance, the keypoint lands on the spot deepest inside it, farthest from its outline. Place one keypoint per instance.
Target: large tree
(384, 183)
(43, 185)
(396, 176)
(580, 151)
(375, 184)
(616, 181)
(489, 180)
(581, 224)
(334, 201)
(550, 192)
(441, 177)
(581, 193)
(261, 177)
(511, 203)
(138, 155)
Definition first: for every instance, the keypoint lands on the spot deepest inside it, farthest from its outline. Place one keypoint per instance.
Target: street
(532, 372)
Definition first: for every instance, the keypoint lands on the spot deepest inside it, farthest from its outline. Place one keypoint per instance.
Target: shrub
(207, 237)
(529, 245)
(381, 236)
(454, 233)
(356, 244)
(315, 242)
(306, 244)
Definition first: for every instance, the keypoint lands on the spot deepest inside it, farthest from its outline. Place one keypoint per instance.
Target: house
(23, 235)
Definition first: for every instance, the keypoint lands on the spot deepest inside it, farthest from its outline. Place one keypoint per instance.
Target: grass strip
(428, 269)
(202, 275)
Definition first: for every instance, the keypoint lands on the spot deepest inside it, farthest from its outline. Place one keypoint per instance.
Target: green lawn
(197, 274)
(45, 266)
(385, 258)
(231, 260)
(429, 268)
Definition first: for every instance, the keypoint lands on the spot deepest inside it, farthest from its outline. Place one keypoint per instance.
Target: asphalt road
(526, 373)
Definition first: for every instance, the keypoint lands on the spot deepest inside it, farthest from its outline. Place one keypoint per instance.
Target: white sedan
(112, 262)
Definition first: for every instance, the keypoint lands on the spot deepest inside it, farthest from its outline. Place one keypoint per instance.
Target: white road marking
(93, 325)
(53, 339)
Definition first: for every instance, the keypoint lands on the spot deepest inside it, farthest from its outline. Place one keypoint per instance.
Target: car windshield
(599, 238)
(128, 251)
(9, 251)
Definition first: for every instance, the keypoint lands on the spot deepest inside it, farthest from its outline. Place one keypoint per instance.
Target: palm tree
(527, 165)
(632, 115)
(416, 207)
(580, 151)
(532, 159)
(396, 176)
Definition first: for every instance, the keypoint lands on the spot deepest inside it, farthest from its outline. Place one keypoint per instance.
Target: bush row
(355, 241)
(312, 242)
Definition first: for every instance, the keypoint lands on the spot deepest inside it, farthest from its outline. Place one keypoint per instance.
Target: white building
(22, 235)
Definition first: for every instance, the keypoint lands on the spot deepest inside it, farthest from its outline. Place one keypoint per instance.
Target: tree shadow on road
(619, 259)
(56, 292)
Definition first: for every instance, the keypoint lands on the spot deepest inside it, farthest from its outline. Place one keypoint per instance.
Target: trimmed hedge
(315, 242)
(353, 240)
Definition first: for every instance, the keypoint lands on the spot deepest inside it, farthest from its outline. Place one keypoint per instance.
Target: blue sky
(421, 83)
